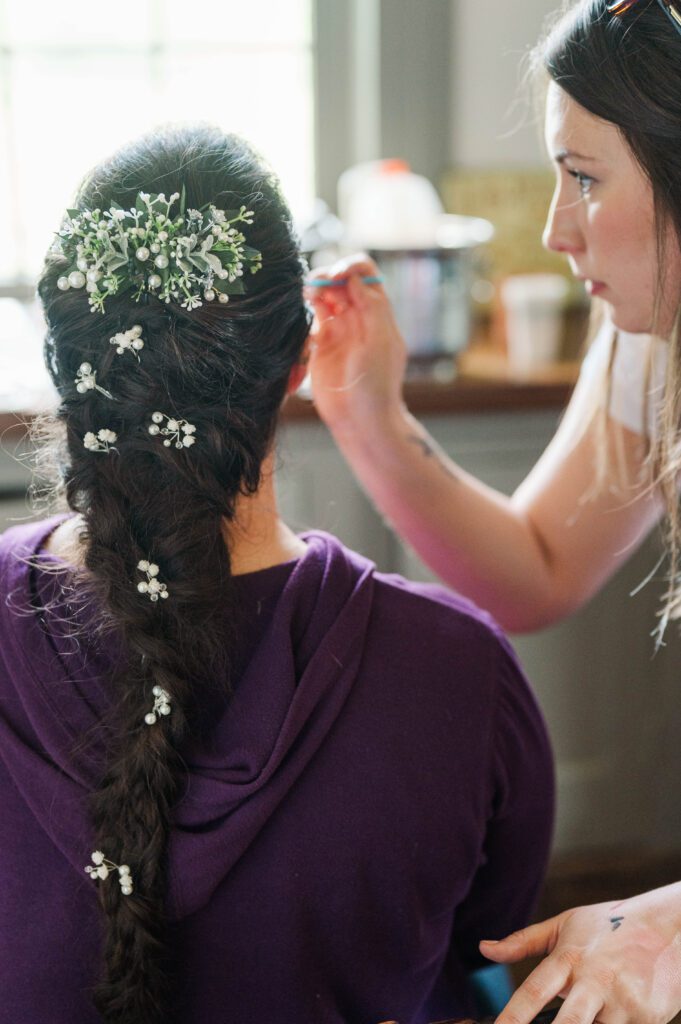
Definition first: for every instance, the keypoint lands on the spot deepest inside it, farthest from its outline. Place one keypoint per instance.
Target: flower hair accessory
(151, 586)
(87, 381)
(101, 441)
(128, 341)
(177, 432)
(103, 868)
(187, 257)
(161, 705)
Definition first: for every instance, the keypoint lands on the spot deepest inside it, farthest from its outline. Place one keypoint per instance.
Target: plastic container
(428, 258)
(534, 306)
(384, 205)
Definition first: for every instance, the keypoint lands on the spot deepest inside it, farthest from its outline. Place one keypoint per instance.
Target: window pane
(9, 257)
(256, 23)
(101, 110)
(77, 24)
(78, 85)
(265, 97)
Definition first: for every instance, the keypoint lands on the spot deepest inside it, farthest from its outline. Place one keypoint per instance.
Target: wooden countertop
(483, 384)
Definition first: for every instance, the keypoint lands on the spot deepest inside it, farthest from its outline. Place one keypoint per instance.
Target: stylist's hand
(358, 355)
(617, 963)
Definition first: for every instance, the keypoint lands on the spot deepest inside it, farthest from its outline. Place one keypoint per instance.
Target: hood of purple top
(52, 701)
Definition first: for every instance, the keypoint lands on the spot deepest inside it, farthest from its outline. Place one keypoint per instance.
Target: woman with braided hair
(243, 776)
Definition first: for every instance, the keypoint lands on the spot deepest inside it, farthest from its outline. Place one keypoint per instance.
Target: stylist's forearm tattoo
(431, 452)
(425, 447)
(616, 922)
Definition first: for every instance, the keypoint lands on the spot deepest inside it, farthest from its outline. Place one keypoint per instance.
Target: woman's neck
(257, 538)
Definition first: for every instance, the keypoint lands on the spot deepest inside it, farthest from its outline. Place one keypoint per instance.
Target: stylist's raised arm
(359, 357)
(514, 555)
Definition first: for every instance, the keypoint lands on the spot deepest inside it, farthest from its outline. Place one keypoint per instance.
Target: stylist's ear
(297, 374)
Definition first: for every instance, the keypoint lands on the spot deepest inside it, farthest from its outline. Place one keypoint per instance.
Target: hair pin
(177, 432)
(129, 341)
(161, 704)
(151, 586)
(101, 441)
(87, 381)
(103, 868)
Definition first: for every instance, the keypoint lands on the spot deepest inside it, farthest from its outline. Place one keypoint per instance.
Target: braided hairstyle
(224, 368)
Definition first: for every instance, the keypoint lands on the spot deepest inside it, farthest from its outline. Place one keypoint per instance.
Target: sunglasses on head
(673, 12)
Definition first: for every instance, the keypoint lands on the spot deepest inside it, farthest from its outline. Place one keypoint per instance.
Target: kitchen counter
(483, 384)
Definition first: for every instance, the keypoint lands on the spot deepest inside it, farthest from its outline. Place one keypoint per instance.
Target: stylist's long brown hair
(627, 70)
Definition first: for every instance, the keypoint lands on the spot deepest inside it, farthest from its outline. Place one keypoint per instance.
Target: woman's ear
(297, 374)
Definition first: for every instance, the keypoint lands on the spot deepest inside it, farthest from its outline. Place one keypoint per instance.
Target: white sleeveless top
(637, 356)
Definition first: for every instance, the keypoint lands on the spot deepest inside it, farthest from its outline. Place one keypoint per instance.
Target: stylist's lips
(593, 287)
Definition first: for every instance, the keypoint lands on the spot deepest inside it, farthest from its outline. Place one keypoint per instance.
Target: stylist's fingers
(545, 982)
(358, 265)
(534, 940)
(326, 332)
(365, 296)
(327, 301)
(582, 1006)
(323, 311)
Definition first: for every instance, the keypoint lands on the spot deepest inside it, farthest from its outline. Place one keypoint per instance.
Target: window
(79, 78)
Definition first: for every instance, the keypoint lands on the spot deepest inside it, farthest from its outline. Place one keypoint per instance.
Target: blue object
(325, 282)
(492, 987)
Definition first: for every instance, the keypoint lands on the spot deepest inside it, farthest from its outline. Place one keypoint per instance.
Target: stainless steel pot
(431, 288)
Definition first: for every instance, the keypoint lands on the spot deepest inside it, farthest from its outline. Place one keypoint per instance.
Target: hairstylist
(613, 132)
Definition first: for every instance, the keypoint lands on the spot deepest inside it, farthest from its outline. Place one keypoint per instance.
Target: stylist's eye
(583, 180)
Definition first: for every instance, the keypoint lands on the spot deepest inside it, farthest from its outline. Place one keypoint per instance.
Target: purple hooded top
(375, 799)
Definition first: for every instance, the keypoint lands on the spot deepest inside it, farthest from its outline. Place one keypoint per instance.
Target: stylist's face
(602, 216)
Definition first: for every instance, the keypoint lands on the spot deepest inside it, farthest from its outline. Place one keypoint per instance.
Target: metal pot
(430, 288)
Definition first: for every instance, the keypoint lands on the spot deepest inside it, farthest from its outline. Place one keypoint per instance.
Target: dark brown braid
(225, 369)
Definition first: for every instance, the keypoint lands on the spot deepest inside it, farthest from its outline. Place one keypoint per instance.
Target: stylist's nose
(563, 232)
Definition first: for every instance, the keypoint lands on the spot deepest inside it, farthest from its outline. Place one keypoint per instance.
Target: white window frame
(383, 85)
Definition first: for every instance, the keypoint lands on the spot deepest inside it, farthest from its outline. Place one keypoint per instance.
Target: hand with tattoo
(358, 356)
(614, 963)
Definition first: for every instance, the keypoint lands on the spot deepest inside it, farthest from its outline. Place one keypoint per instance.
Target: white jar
(385, 206)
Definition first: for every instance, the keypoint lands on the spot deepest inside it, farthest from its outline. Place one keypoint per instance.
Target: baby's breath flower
(185, 257)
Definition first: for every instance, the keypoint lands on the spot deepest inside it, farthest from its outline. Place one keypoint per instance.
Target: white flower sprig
(190, 257)
(177, 432)
(152, 585)
(161, 705)
(103, 868)
(86, 380)
(101, 441)
(129, 341)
